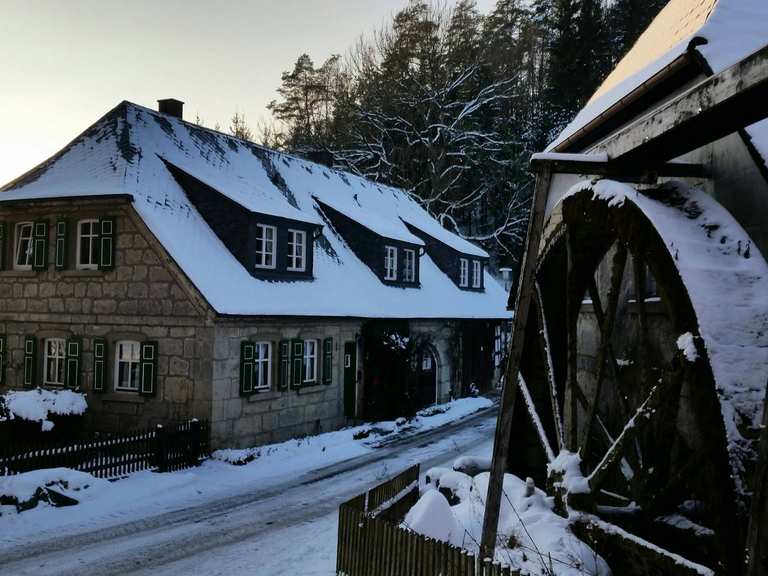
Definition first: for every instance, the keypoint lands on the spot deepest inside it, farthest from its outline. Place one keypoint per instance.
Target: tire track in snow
(170, 537)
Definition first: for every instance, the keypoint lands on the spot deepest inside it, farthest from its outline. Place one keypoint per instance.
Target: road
(290, 529)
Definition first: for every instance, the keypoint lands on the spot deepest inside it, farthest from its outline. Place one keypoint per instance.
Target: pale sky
(63, 64)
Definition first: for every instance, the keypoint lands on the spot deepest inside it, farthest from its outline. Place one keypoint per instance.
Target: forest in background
(448, 103)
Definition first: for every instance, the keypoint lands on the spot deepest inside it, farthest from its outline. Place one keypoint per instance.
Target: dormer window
(463, 272)
(409, 265)
(390, 263)
(297, 250)
(265, 246)
(477, 273)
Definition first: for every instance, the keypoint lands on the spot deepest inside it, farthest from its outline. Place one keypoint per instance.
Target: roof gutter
(89, 197)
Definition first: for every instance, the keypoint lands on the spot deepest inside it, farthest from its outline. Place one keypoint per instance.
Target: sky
(65, 63)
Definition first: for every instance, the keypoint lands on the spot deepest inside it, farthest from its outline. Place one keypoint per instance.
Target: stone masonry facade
(146, 297)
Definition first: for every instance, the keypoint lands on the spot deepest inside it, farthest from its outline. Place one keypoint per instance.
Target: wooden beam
(757, 536)
(714, 108)
(618, 171)
(509, 392)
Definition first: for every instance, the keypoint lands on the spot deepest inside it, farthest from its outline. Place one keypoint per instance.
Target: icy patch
(683, 523)
(37, 405)
(687, 345)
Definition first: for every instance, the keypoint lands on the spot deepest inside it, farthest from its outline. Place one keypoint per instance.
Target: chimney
(171, 106)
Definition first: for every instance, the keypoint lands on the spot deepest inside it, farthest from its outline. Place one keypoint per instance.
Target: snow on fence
(164, 449)
(371, 541)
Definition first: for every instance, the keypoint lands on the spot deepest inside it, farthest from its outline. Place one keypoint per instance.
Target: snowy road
(287, 529)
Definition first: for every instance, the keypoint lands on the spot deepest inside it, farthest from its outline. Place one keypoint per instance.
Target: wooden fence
(163, 448)
(371, 541)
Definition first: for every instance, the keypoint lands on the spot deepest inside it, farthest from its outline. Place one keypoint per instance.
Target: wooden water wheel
(616, 374)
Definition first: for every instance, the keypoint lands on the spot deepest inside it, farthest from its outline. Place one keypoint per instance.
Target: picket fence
(372, 542)
(164, 448)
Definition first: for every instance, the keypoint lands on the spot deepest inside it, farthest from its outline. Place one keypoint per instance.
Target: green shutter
(148, 368)
(297, 363)
(284, 363)
(247, 366)
(40, 245)
(72, 367)
(61, 244)
(327, 360)
(30, 350)
(99, 364)
(2, 360)
(3, 245)
(106, 244)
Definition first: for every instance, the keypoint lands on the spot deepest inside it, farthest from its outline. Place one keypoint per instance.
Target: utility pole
(525, 286)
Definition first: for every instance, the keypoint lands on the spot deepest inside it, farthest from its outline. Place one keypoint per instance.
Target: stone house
(170, 271)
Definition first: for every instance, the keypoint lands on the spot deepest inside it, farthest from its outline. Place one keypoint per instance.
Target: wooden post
(522, 304)
(194, 442)
(161, 449)
(757, 535)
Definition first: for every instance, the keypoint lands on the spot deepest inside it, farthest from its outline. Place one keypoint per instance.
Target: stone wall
(145, 297)
(276, 414)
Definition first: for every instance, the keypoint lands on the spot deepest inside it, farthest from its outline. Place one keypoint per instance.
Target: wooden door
(350, 379)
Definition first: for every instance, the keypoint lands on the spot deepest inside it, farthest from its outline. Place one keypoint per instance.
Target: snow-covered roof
(727, 282)
(732, 30)
(124, 153)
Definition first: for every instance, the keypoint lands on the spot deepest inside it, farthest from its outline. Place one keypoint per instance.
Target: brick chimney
(171, 106)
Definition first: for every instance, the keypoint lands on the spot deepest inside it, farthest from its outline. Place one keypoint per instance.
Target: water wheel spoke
(572, 311)
(606, 329)
(615, 453)
(548, 366)
(535, 419)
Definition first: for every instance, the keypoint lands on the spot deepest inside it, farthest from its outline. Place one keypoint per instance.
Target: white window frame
(137, 361)
(60, 359)
(94, 236)
(17, 246)
(426, 360)
(390, 263)
(409, 265)
(297, 251)
(309, 361)
(264, 253)
(463, 272)
(262, 355)
(477, 273)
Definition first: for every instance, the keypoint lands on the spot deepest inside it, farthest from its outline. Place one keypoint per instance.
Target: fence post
(194, 442)
(161, 449)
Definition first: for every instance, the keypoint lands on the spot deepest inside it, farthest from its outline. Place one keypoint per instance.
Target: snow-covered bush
(38, 405)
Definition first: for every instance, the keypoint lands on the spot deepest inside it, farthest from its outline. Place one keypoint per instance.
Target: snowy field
(267, 517)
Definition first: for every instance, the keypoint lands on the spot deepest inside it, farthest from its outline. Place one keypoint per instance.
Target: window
(265, 246)
(477, 274)
(426, 361)
(23, 251)
(297, 246)
(390, 263)
(409, 266)
(55, 357)
(463, 272)
(263, 366)
(310, 360)
(87, 244)
(127, 360)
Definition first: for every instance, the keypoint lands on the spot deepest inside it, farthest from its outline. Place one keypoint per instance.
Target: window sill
(81, 272)
(123, 396)
(21, 273)
(262, 395)
(311, 388)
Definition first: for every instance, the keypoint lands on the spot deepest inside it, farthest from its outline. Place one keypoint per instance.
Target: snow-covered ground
(275, 515)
